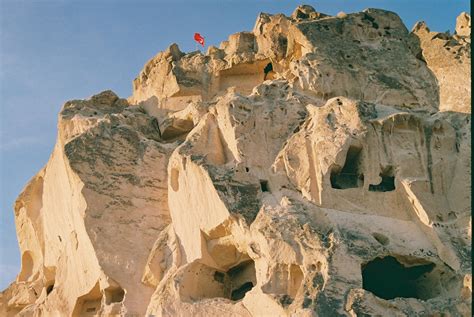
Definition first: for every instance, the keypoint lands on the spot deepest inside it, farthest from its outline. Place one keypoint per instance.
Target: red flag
(198, 38)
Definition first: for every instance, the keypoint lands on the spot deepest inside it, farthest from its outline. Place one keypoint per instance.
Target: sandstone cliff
(338, 183)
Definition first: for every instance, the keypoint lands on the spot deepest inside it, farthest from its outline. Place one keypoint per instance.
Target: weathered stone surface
(316, 166)
(89, 218)
(449, 58)
(463, 24)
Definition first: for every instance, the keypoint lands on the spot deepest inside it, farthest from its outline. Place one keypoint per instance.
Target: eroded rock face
(449, 58)
(317, 166)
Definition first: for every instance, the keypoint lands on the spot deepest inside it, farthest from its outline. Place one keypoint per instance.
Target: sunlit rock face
(316, 166)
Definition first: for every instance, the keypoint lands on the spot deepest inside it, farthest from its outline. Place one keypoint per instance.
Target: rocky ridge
(316, 166)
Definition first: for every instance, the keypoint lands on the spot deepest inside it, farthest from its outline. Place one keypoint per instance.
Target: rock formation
(337, 186)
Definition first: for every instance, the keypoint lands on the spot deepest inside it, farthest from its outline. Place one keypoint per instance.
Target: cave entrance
(388, 279)
(244, 76)
(387, 184)
(88, 304)
(268, 72)
(175, 128)
(242, 279)
(264, 185)
(350, 176)
(114, 295)
(49, 288)
(201, 281)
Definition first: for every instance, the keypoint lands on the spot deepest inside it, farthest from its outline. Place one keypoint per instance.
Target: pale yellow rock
(316, 166)
(75, 218)
(463, 24)
(449, 58)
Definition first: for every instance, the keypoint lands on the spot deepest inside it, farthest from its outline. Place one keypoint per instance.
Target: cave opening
(239, 293)
(89, 303)
(285, 281)
(49, 289)
(264, 186)
(387, 278)
(114, 295)
(245, 76)
(350, 176)
(267, 70)
(176, 128)
(242, 279)
(201, 281)
(386, 184)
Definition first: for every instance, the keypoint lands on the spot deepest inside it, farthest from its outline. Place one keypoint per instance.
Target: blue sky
(54, 51)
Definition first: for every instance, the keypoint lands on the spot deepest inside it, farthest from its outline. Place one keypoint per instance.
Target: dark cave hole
(286, 300)
(238, 269)
(49, 289)
(219, 277)
(267, 70)
(387, 184)
(206, 282)
(239, 293)
(114, 295)
(242, 278)
(349, 176)
(264, 186)
(388, 279)
(179, 128)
